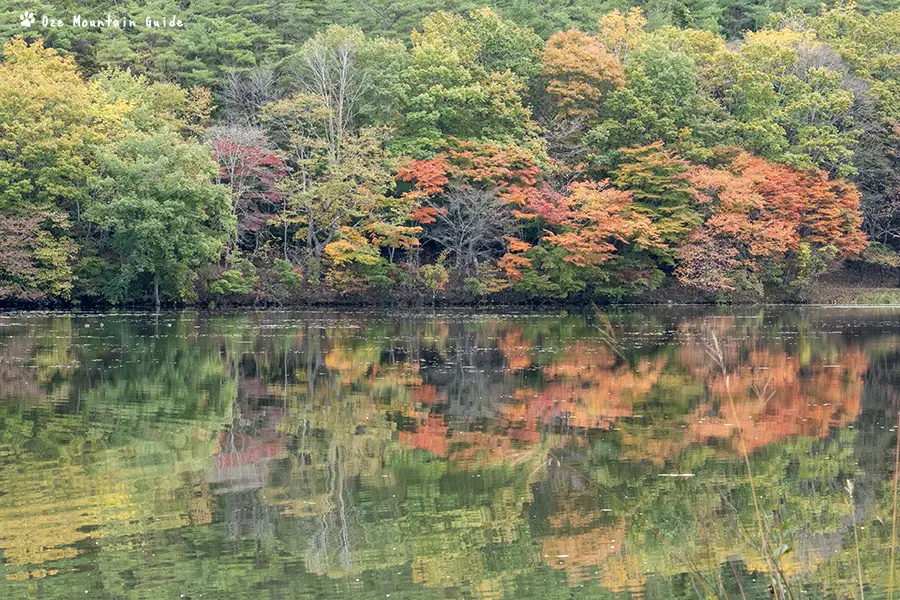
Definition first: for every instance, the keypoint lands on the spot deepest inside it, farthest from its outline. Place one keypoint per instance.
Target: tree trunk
(156, 292)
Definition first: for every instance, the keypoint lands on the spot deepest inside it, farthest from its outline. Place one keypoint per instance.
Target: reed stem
(894, 517)
(849, 488)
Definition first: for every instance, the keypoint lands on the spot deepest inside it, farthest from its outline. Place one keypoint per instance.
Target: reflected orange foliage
(516, 351)
(589, 549)
(429, 394)
(586, 388)
(430, 434)
(774, 401)
(776, 395)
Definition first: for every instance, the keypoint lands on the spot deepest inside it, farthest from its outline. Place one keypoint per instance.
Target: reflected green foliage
(450, 455)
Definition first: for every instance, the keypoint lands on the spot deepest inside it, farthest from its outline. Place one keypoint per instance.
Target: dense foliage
(279, 154)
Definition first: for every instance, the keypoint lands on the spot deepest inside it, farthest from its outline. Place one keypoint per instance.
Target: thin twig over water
(607, 334)
(849, 488)
(894, 517)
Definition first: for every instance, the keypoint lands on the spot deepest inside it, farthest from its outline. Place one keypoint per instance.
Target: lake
(678, 452)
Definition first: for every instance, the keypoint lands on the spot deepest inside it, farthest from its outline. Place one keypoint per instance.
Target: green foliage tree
(162, 214)
(662, 193)
(790, 102)
(464, 80)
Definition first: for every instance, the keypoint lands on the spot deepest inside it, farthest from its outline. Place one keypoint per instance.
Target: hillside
(233, 152)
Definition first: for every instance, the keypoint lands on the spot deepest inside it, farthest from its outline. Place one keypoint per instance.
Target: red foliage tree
(759, 213)
(252, 171)
(472, 195)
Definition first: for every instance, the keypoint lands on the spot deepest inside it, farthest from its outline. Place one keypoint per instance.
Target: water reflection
(445, 455)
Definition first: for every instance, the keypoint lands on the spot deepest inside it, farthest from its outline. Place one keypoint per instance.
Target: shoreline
(845, 286)
(827, 297)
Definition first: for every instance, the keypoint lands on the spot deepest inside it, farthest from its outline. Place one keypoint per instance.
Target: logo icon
(26, 19)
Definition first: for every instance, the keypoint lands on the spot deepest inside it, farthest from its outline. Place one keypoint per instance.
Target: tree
(498, 131)
(328, 70)
(336, 200)
(502, 45)
(594, 218)
(350, 76)
(767, 223)
(593, 232)
(450, 87)
(471, 197)
(662, 193)
(51, 121)
(470, 222)
(621, 32)
(153, 106)
(580, 73)
(786, 91)
(865, 42)
(877, 163)
(246, 93)
(252, 171)
(330, 189)
(340, 171)
(161, 212)
(49, 118)
(660, 103)
(35, 261)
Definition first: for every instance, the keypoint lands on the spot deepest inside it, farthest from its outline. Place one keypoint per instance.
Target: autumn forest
(286, 153)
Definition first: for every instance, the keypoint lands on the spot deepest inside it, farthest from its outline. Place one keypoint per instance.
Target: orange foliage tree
(594, 217)
(580, 72)
(761, 215)
(470, 197)
(594, 237)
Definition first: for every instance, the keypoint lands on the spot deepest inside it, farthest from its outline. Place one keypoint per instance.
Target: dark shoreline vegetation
(577, 153)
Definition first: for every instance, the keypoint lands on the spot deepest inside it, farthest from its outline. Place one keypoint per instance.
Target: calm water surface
(449, 454)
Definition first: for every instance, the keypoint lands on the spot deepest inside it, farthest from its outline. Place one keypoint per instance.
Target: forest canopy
(575, 151)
